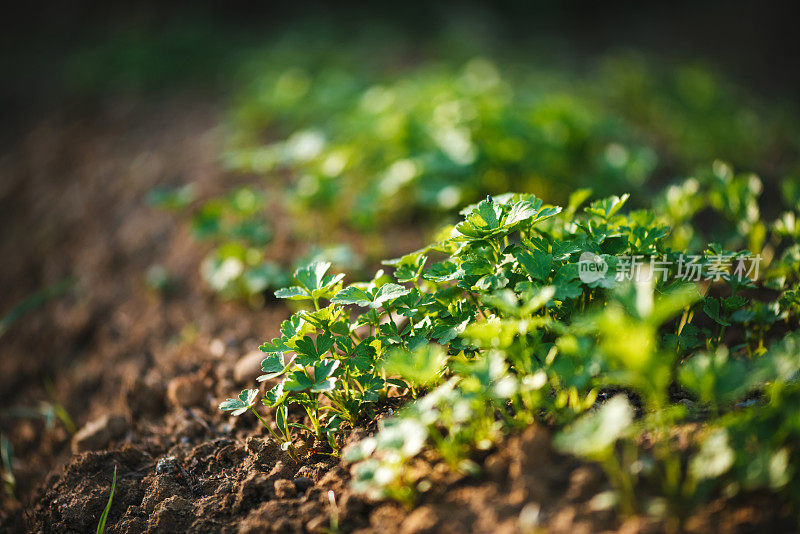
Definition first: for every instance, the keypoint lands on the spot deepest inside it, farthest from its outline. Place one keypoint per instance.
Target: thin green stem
(477, 305)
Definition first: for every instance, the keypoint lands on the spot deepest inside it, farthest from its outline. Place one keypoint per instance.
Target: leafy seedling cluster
(236, 227)
(492, 328)
(366, 146)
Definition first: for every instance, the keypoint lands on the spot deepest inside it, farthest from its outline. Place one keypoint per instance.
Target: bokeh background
(164, 166)
(52, 50)
(357, 118)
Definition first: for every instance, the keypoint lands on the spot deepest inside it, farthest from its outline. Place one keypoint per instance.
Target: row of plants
(495, 326)
(236, 229)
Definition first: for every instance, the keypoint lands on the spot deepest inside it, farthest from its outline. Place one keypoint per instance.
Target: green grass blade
(6, 454)
(101, 526)
(33, 301)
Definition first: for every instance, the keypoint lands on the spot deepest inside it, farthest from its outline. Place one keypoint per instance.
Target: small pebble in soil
(187, 390)
(216, 347)
(530, 517)
(248, 367)
(167, 465)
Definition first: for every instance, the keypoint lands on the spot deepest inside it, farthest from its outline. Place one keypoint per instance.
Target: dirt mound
(210, 487)
(250, 485)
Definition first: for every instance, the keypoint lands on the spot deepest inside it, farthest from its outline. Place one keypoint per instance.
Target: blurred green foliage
(365, 144)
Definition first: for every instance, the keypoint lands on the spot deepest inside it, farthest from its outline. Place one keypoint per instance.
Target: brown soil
(142, 373)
